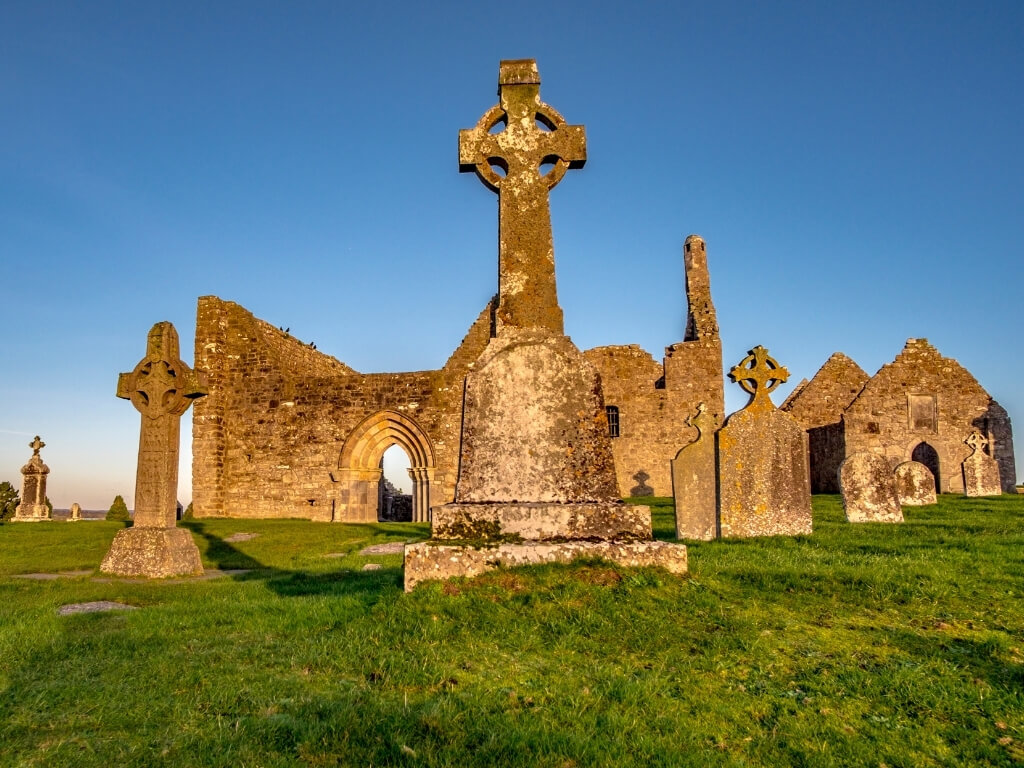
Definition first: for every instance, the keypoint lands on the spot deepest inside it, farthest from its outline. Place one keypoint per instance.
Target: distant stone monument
(868, 486)
(981, 471)
(763, 481)
(693, 481)
(536, 477)
(33, 507)
(161, 388)
(915, 484)
(76, 513)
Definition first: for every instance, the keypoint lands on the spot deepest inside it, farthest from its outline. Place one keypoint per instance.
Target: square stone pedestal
(471, 539)
(31, 513)
(153, 553)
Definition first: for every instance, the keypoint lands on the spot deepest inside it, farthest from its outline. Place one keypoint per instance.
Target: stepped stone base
(540, 521)
(426, 562)
(153, 553)
(31, 513)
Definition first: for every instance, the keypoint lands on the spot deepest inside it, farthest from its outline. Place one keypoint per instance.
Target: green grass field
(867, 645)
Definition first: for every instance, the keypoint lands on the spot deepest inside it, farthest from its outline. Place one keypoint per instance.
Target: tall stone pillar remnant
(161, 388)
(536, 476)
(33, 507)
(764, 488)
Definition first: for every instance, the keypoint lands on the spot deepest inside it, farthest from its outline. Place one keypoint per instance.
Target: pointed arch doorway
(925, 454)
(359, 467)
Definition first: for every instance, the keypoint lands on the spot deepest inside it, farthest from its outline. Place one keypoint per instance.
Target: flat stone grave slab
(52, 576)
(241, 536)
(391, 548)
(372, 567)
(97, 606)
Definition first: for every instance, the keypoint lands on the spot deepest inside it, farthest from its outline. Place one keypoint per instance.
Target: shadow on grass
(298, 583)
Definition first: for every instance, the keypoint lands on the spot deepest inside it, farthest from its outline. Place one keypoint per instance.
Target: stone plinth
(76, 513)
(915, 484)
(540, 521)
(981, 471)
(763, 481)
(153, 553)
(868, 485)
(693, 482)
(428, 561)
(33, 507)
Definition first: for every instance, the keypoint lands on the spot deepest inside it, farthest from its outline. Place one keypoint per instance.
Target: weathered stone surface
(981, 472)
(427, 561)
(763, 483)
(915, 484)
(96, 606)
(526, 258)
(390, 548)
(76, 513)
(919, 407)
(536, 464)
(652, 399)
(152, 552)
(534, 427)
(869, 489)
(540, 521)
(694, 483)
(161, 388)
(33, 506)
(818, 407)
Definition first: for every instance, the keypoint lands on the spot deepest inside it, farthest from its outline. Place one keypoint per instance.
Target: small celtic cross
(36, 445)
(759, 373)
(977, 442)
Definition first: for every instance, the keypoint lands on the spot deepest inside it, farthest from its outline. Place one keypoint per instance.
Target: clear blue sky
(856, 170)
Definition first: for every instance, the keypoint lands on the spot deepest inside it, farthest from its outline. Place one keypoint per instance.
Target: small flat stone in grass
(372, 567)
(97, 606)
(241, 536)
(391, 548)
(52, 576)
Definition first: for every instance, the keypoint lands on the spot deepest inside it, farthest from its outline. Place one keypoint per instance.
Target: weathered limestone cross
(759, 373)
(977, 442)
(534, 135)
(36, 446)
(161, 388)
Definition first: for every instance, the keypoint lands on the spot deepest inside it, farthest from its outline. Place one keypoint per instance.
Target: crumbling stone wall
(923, 397)
(654, 400)
(267, 440)
(818, 406)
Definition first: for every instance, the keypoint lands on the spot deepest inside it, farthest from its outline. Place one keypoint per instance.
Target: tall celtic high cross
(521, 148)
(161, 388)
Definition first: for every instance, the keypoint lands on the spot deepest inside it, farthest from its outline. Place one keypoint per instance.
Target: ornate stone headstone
(536, 476)
(161, 388)
(76, 513)
(915, 484)
(868, 485)
(33, 506)
(763, 482)
(981, 471)
(693, 481)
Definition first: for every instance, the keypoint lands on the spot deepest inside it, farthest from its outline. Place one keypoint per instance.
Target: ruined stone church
(920, 407)
(289, 431)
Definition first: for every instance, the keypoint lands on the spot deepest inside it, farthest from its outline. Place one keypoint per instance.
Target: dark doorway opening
(928, 456)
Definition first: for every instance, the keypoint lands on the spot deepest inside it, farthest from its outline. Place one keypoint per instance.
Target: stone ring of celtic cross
(762, 378)
(545, 115)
